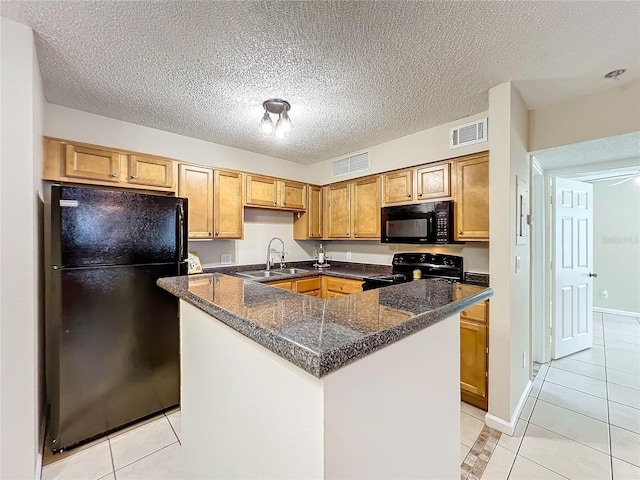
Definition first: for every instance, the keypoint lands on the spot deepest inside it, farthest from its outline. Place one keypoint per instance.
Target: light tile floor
(581, 420)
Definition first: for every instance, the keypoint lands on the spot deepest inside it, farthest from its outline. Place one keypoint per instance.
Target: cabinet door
(473, 358)
(472, 199)
(286, 285)
(365, 208)
(398, 187)
(292, 195)
(434, 182)
(262, 191)
(308, 286)
(92, 163)
(196, 183)
(308, 224)
(337, 218)
(152, 171)
(228, 211)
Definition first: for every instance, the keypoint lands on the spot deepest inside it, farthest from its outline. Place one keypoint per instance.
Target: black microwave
(420, 223)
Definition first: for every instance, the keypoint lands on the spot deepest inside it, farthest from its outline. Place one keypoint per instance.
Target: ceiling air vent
(356, 163)
(468, 134)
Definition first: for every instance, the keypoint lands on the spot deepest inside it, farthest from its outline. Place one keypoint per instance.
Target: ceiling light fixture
(283, 125)
(615, 73)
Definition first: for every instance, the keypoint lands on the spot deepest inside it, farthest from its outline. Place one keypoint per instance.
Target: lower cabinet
(474, 355)
(336, 287)
(322, 287)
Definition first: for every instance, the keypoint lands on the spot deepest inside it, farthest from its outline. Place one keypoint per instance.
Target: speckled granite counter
(321, 336)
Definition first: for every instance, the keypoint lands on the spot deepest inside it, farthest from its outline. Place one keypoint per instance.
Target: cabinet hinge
(487, 350)
(486, 374)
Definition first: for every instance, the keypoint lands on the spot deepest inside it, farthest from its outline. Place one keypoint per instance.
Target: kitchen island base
(248, 413)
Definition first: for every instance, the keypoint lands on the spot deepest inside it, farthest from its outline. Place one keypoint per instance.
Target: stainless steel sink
(261, 274)
(291, 271)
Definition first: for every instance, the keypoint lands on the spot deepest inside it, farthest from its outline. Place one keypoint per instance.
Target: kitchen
(423, 147)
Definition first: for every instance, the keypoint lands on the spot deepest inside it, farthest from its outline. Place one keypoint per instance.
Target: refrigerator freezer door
(112, 349)
(107, 227)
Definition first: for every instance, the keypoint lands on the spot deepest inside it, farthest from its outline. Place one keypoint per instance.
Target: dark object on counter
(432, 266)
(112, 335)
(420, 223)
(472, 278)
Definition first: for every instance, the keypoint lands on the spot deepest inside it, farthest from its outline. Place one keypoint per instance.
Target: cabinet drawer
(342, 285)
(477, 312)
(285, 285)
(308, 285)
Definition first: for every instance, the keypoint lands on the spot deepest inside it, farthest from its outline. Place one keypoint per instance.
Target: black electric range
(434, 266)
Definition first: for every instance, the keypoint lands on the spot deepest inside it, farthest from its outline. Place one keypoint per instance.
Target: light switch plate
(348, 255)
(225, 259)
(518, 264)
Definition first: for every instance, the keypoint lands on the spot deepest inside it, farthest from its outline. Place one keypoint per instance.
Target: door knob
(594, 275)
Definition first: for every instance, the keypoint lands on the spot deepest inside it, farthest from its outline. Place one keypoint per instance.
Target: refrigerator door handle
(180, 224)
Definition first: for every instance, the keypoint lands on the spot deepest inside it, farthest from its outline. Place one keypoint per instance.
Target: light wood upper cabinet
(262, 191)
(269, 192)
(352, 209)
(80, 163)
(228, 216)
(365, 208)
(196, 184)
(337, 210)
(426, 183)
(92, 163)
(292, 195)
(398, 187)
(151, 171)
(433, 182)
(308, 225)
(472, 198)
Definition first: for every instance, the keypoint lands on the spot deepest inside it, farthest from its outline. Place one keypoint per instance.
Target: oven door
(408, 225)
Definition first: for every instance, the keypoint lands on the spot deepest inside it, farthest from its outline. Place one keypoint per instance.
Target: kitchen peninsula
(276, 384)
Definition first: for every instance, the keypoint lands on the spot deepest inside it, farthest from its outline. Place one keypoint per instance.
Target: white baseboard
(624, 313)
(510, 426)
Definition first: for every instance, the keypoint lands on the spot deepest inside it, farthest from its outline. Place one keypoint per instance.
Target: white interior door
(572, 301)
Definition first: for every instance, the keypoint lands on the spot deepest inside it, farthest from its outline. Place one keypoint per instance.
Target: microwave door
(414, 230)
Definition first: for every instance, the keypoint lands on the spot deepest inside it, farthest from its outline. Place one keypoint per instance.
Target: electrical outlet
(348, 255)
(604, 293)
(225, 259)
(518, 264)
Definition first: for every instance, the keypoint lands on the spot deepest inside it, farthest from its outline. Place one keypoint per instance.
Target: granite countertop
(317, 335)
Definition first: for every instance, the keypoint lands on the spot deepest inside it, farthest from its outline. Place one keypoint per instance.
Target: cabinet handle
(275, 203)
(341, 287)
(347, 234)
(419, 194)
(210, 234)
(114, 175)
(284, 203)
(408, 195)
(460, 232)
(354, 234)
(217, 233)
(134, 176)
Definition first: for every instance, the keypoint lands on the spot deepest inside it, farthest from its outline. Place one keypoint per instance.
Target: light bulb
(286, 122)
(279, 131)
(266, 125)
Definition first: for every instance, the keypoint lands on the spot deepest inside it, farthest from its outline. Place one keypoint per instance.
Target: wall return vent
(468, 134)
(355, 163)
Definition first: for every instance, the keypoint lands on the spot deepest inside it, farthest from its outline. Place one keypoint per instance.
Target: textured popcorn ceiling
(619, 147)
(356, 73)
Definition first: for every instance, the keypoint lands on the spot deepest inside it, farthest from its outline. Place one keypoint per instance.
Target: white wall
(509, 327)
(603, 114)
(616, 244)
(20, 272)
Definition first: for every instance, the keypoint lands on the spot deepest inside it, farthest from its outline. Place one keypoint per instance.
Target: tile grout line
(113, 465)
(174, 430)
(145, 456)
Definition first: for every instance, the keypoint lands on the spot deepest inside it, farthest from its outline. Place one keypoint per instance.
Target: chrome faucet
(282, 253)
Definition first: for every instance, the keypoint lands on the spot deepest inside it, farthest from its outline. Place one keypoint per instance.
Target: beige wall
(616, 245)
(604, 114)
(509, 330)
(20, 272)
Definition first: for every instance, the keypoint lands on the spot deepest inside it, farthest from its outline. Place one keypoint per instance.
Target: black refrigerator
(112, 350)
